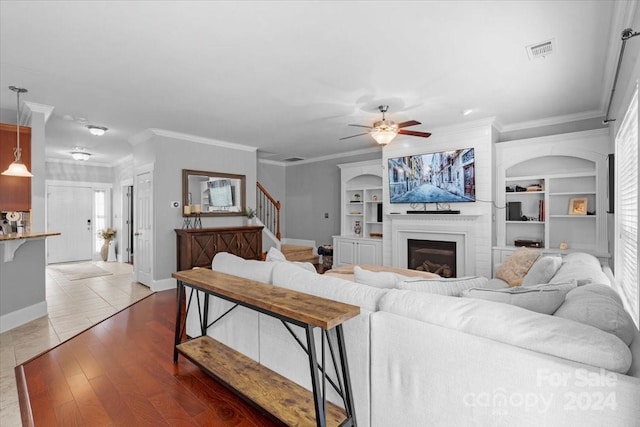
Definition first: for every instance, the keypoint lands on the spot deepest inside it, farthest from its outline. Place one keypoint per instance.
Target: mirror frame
(185, 191)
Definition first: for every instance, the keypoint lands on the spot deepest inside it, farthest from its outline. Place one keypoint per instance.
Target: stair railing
(268, 210)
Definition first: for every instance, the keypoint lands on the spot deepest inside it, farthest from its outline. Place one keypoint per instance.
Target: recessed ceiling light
(467, 111)
(97, 130)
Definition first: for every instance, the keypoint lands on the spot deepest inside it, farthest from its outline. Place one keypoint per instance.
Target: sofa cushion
(542, 270)
(378, 279)
(599, 310)
(583, 267)
(515, 267)
(275, 255)
(442, 286)
(292, 277)
(251, 269)
(515, 326)
(540, 298)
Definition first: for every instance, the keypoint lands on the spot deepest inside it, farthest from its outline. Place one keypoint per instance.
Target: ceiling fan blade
(409, 123)
(362, 126)
(414, 133)
(353, 136)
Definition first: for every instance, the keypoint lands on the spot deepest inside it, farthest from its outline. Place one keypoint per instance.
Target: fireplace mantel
(434, 217)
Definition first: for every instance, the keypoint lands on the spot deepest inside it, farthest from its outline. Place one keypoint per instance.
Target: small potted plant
(107, 235)
(250, 214)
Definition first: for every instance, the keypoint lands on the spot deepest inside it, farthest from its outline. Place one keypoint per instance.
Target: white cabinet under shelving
(553, 190)
(360, 239)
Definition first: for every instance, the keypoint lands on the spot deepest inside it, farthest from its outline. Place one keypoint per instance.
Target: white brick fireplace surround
(461, 229)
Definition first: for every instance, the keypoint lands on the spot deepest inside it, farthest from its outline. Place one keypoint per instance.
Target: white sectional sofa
(419, 359)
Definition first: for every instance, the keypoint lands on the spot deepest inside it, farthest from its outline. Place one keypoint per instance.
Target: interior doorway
(128, 223)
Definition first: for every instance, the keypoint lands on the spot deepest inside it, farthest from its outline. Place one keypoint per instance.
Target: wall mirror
(212, 193)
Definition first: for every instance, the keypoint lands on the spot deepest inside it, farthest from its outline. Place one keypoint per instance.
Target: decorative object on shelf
(375, 235)
(107, 235)
(251, 215)
(564, 246)
(357, 228)
(374, 197)
(17, 168)
(356, 198)
(578, 206)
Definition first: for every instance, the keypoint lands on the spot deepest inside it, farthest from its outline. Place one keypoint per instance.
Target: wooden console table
(279, 396)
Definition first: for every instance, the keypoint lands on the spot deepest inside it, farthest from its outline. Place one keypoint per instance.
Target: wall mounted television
(439, 177)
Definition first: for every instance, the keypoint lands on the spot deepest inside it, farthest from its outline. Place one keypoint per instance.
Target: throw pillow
(275, 255)
(541, 298)
(542, 270)
(598, 310)
(379, 279)
(449, 287)
(516, 266)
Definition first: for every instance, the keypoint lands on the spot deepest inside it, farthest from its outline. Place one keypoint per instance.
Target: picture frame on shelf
(578, 206)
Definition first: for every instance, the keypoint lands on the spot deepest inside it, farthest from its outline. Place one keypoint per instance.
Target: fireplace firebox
(437, 257)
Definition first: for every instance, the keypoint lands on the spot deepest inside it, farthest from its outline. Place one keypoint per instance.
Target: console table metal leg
(318, 398)
(177, 337)
(348, 394)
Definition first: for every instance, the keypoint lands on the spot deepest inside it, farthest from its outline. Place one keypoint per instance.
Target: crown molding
(335, 156)
(77, 162)
(556, 120)
(40, 108)
(149, 133)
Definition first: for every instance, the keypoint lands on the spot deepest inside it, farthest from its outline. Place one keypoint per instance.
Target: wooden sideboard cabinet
(196, 247)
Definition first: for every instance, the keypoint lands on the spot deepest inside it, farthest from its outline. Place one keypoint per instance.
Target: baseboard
(163, 285)
(24, 315)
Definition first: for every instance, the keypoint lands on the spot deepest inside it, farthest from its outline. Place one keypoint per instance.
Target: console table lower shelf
(282, 398)
(285, 400)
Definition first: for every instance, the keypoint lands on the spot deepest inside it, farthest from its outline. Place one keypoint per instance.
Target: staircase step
(299, 253)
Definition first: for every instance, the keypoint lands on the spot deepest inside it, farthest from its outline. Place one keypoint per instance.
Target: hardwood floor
(121, 373)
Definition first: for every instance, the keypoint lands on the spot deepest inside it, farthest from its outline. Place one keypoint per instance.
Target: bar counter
(23, 265)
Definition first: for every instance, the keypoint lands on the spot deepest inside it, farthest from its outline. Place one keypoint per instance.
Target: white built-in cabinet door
(356, 251)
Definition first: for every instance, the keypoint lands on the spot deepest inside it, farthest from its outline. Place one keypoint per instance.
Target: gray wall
(313, 189)
(170, 156)
(22, 281)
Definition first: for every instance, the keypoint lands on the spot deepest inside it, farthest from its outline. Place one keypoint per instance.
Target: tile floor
(73, 307)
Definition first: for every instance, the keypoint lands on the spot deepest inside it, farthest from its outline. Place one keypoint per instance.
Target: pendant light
(17, 168)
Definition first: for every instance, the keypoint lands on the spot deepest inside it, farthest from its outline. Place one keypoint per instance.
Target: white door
(143, 224)
(69, 211)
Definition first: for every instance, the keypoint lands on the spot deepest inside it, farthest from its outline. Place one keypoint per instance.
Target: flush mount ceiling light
(80, 154)
(97, 130)
(17, 168)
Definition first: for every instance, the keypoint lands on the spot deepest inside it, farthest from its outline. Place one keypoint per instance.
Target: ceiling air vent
(542, 49)
(293, 159)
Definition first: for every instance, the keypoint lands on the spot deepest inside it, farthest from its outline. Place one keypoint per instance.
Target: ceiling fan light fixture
(97, 130)
(17, 168)
(383, 136)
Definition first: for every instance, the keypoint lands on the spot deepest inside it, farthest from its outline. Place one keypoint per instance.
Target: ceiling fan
(385, 130)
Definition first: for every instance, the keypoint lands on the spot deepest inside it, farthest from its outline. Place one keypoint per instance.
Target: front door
(69, 211)
(143, 224)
